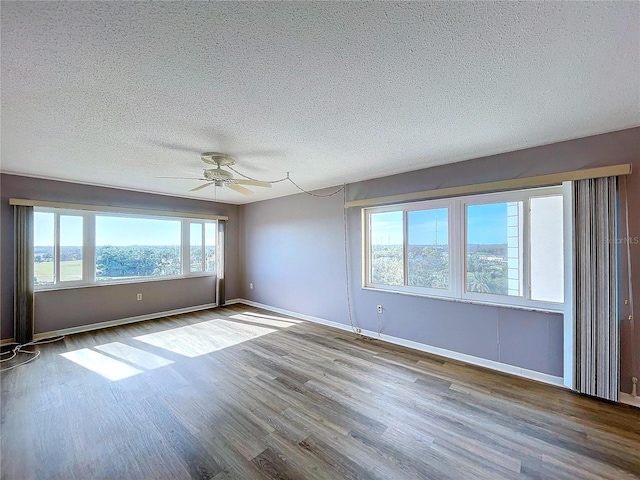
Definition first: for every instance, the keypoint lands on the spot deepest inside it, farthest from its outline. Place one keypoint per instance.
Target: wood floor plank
(242, 393)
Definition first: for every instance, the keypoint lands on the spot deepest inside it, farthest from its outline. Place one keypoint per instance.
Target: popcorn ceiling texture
(332, 92)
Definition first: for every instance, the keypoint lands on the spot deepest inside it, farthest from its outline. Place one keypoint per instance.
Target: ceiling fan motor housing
(218, 158)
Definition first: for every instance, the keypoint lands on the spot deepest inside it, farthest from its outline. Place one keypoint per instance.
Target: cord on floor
(19, 349)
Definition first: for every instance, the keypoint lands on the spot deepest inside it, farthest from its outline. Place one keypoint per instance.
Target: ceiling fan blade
(255, 183)
(176, 147)
(239, 189)
(204, 185)
(186, 178)
(214, 136)
(259, 153)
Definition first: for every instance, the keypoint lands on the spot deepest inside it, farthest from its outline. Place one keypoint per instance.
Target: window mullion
(185, 247)
(463, 249)
(56, 248)
(89, 248)
(405, 249)
(456, 248)
(526, 248)
(204, 258)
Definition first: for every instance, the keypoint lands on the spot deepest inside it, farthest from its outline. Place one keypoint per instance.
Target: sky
(487, 224)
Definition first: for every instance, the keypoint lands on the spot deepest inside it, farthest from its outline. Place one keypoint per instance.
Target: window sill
(541, 309)
(53, 288)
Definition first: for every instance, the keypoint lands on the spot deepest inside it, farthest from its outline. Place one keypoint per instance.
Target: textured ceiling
(104, 92)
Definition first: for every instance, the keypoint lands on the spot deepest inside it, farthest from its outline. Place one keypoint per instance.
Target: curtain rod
(512, 184)
(110, 209)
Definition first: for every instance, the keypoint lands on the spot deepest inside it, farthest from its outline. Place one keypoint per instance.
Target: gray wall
(81, 306)
(294, 255)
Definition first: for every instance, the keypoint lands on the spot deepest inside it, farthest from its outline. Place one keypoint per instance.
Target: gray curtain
(23, 282)
(222, 249)
(596, 287)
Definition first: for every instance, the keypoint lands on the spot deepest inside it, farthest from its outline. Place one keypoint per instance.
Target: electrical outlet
(139, 297)
(358, 330)
(379, 307)
(251, 286)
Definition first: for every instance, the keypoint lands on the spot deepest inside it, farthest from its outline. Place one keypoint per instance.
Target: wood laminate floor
(242, 393)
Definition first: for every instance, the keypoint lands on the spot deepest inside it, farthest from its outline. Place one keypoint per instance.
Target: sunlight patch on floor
(205, 337)
(134, 355)
(102, 364)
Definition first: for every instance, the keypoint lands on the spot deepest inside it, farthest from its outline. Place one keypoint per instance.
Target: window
(387, 256)
(195, 247)
(503, 248)
(547, 265)
(58, 251)
(43, 252)
(71, 246)
(428, 248)
(202, 247)
(210, 240)
(494, 248)
(129, 248)
(82, 248)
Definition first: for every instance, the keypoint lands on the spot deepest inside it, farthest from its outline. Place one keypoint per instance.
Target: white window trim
(458, 250)
(89, 247)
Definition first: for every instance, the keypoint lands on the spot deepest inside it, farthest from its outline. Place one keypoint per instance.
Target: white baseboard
(123, 321)
(233, 301)
(463, 357)
(629, 399)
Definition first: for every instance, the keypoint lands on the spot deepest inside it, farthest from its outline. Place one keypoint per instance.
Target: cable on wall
(19, 349)
(346, 257)
(341, 189)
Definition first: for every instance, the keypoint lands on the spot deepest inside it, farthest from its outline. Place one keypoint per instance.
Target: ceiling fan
(222, 178)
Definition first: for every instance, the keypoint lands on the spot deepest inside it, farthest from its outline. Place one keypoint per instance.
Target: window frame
(89, 248)
(186, 251)
(57, 283)
(458, 229)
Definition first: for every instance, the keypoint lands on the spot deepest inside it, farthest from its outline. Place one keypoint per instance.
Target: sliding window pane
(129, 248)
(43, 252)
(210, 234)
(547, 259)
(387, 258)
(428, 248)
(494, 248)
(195, 249)
(71, 248)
